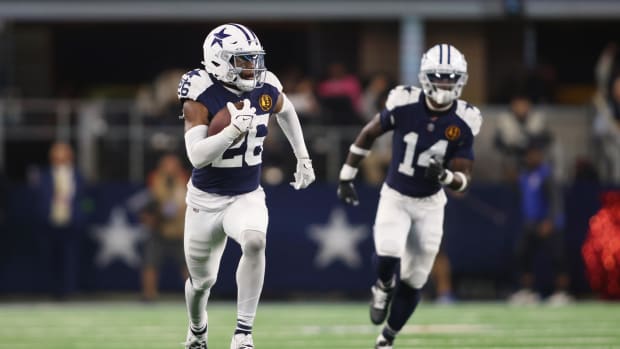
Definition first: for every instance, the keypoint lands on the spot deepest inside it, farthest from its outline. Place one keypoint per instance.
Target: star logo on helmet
(219, 36)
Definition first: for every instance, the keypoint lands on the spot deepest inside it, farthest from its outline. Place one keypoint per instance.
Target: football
(221, 119)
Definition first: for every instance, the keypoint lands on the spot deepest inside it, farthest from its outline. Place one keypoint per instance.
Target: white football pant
(410, 229)
(244, 218)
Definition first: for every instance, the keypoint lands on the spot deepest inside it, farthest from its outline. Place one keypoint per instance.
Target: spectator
(60, 192)
(303, 98)
(157, 101)
(514, 130)
(164, 218)
(341, 95)
(541, 204)
(606, 126)
(375, 94)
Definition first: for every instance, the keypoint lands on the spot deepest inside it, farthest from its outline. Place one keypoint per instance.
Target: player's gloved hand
(241, 119)
(304, 174)
(435, 170)
(346, 192)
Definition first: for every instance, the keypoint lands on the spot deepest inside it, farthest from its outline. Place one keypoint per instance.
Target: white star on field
(338, 240)
(118, 240)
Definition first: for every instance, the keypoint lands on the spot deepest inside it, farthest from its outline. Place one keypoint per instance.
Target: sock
(405, 301)
(386, 269)
(198, 331)
(250, 276)
(244, 323)
(388, 333)
(196, 302)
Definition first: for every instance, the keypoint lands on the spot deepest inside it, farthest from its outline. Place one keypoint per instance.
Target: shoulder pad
(272, 79)
(470, 114)
(193, 83)
(402, 95)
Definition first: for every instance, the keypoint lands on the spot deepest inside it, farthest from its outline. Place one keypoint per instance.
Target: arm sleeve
(202, 150)
(289, 123)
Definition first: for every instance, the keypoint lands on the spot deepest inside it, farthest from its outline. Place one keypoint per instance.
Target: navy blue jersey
(420, 133)
(238, 170)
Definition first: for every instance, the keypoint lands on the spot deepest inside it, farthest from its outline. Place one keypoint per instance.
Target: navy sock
(198, 332)
(405, 301)
(386, 268)
(388, 333)
(243, 327)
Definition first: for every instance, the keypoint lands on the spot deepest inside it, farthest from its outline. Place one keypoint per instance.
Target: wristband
(448, 177)
(463, 180)
(358, 151)
(348, 172)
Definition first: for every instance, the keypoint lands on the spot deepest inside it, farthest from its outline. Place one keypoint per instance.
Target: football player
(224, 196)
(432, 148)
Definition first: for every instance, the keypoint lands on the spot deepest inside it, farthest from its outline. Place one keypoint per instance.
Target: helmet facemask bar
(443, 86)
(246, 69)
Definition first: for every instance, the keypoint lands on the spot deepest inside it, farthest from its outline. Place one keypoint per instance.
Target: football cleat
(381, 298)
(560, 298)
(383, 343)
(524, 297)
(195, 341)
(242, 341)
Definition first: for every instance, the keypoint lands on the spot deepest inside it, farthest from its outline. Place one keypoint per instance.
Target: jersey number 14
(411, 139)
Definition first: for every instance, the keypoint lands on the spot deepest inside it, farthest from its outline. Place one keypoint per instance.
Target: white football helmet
(234, 55)
(443, 73)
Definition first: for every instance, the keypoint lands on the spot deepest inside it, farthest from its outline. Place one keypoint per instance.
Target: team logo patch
(265, 102)
(453, 132)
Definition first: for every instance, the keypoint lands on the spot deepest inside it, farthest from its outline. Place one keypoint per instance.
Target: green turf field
(309, 325)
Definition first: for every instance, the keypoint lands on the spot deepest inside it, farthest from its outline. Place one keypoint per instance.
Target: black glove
(435, 171)
(346, 193)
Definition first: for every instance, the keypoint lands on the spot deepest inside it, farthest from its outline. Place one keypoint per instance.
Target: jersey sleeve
(470, 115)
(465, 148)
(398, 97)
(272, 79)
(193, 84)
(387, 119)
(473, 119)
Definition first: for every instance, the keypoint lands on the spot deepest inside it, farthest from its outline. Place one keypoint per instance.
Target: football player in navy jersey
(432, 148)
(224, 196)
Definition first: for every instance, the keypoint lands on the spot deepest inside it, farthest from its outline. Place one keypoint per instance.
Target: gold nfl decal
(265, 102)
(453, 132)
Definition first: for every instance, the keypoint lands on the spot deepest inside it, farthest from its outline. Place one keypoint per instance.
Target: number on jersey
(253, 153)
(411, 139)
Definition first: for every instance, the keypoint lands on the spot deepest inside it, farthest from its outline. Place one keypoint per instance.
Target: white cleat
(242, 341)
(559, 299)
(382, 343)
(524, 297)
(195, 342)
